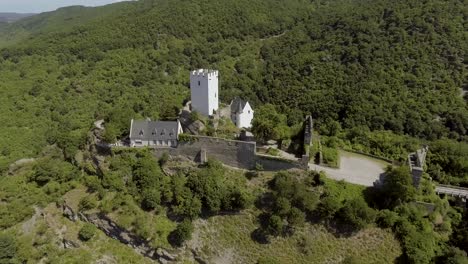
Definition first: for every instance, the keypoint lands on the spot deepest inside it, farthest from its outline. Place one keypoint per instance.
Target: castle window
(215, 95)
(198, 83)
(249, 111)
(141, 133)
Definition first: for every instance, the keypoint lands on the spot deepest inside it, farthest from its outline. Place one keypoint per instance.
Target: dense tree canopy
(395, 66)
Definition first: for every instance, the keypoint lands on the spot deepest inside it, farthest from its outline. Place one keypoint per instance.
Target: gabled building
(154, 133)
(241, 113)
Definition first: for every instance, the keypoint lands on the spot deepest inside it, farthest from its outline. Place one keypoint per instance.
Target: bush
(387, 218)
(87, 232)
(272, 152)
(151, 199)
(182, 233)
(282, 206)
(194, 116)
(275, 225)
(87, 203)
(330, 157)
(164, 158)
(329, 205)
(7, 248)
(296, 217)
(356, 213)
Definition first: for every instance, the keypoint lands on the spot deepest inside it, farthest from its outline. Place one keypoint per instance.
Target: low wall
(240, 154)
(234, 153)
(270, 163)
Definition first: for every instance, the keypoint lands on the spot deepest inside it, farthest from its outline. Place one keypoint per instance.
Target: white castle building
(241, 113)
(204, 91)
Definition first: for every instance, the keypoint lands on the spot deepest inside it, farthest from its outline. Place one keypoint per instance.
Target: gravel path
(355, 168)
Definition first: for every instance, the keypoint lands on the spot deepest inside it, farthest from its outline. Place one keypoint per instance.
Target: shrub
(273, 152)
(296, 217)
(164, 158)
(87, 203)
(387, 218)
(329, 205)
(330, 157)
(275, 225)
(357, 213)
(282, 206)
(151, 199)
(182, 233)
(194, 116)
(87, 232)
(7, 248)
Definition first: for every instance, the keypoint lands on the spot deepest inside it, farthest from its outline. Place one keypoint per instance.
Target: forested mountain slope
(396, 66)
(378, 76)
(62, 19)
(12, 17)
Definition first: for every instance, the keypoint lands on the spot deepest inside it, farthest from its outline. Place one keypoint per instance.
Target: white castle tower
(204, 91)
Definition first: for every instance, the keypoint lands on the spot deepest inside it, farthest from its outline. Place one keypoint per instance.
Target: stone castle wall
(234, 153)
(240, 154)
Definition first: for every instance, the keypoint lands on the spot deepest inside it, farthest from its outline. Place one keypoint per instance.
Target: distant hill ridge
(12, 17)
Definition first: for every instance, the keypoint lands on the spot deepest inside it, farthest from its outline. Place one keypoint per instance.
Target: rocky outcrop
(14, 167)
(69, 244)
(189, 126)
(111, 229)
(68, 212)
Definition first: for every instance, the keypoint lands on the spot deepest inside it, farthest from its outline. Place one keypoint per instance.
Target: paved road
(452, 190)
(355, 168)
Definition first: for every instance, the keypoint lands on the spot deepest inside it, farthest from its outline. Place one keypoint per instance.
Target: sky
(37, 6)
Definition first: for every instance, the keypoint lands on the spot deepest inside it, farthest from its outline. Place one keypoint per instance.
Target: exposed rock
(69, 213)
(189, 126)
(112, 230)
(28, 226)
(99, 124)
(163, 254)
(195, 127)
(106, 259)
(18, 164)
(197, 257)
(69, 244)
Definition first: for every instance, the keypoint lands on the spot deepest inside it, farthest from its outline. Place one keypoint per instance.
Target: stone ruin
(416, 161)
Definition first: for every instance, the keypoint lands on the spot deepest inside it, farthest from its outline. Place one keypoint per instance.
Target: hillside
(381, 67)
(380, 77)
(61, 19)
(12, 17)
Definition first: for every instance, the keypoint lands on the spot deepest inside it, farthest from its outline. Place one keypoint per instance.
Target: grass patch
(331, 157)
(272, 152)
(220, 235)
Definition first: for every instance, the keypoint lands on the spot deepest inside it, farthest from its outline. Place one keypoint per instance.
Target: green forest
(380, 77)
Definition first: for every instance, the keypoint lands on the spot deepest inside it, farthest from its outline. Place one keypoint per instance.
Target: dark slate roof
(154, 130)
(237, 105)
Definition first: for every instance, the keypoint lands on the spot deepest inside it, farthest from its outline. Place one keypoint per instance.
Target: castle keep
(204, 91)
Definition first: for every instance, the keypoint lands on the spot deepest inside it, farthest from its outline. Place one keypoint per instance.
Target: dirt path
(275, 36)
(355, 168)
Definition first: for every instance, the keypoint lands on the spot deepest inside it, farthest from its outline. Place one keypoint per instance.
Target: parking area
(355, 168)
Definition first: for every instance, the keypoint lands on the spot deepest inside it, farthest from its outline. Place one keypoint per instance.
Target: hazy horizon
(39, 6)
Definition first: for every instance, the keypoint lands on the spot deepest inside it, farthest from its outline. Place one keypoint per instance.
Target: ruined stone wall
(240, 154)
(231, 152)
(269, 163)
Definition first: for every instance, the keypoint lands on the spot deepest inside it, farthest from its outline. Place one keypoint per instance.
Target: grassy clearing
(218, 236)
(347, 191)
